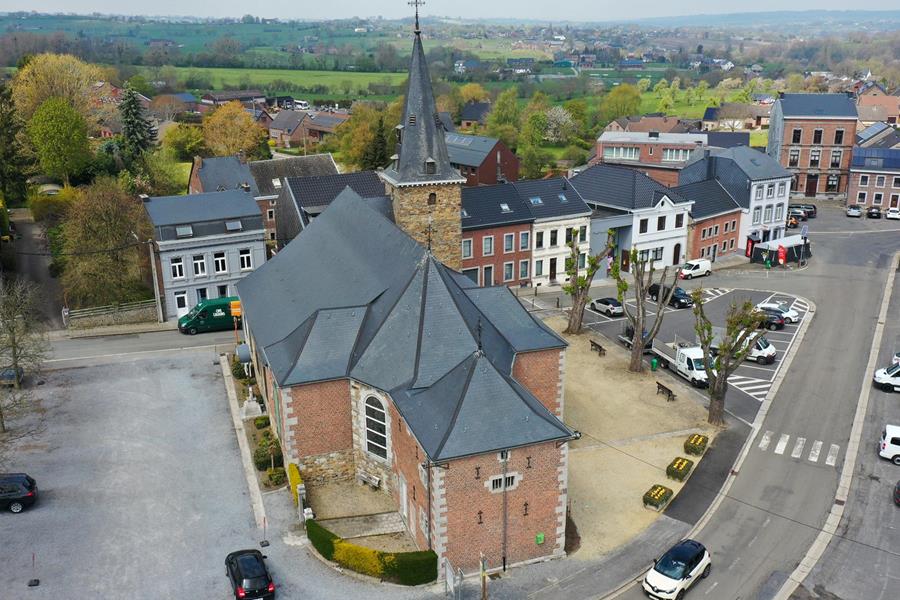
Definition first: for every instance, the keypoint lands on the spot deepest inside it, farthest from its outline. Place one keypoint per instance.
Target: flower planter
(679, 469)
(657, 497)
(696, 444)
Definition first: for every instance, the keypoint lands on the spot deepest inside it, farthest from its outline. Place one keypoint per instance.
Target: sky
(572, 10)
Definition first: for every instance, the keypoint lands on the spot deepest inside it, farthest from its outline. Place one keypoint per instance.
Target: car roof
(14, 476)
(238, 553)
(685, 549)
(892, 429)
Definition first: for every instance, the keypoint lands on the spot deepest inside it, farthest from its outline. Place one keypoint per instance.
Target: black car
(679, 299)
(18, 491)
(249, 577)
(773, 320)
(873, 212)
(897, 494)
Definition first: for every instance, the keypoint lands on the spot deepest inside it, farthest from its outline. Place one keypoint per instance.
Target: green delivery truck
(211, 315)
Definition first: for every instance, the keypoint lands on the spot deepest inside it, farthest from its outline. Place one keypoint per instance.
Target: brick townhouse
(496, 236)
(715, 220)
(875, 177)
(378, 358)
(812, 135)
(482, 160)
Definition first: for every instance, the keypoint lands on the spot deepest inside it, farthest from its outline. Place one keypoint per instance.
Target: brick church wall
(318, 430)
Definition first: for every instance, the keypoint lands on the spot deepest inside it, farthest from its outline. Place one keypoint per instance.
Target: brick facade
(715, 237)
(486, 173)
(658, 160)
(866, 191)
(542, 373)
(500, 258)
(415, 211)
(829, 175)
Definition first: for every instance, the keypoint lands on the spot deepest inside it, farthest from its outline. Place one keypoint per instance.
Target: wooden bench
(596, 347)
(373, 481)
(661, 389)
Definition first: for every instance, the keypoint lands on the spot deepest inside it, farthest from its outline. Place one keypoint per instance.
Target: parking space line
(814, 452)
(798, 448)
(770, 370)
(831, 459)
(782, 443)
(766, 439)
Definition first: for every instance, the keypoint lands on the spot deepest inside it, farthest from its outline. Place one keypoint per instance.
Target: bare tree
(579, 286)
(733, 345)
(642, 271)
(23, 347)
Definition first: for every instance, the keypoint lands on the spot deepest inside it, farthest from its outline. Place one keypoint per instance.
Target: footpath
(130, 329)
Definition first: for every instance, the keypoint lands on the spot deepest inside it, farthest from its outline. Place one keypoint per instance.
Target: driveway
(33, 264)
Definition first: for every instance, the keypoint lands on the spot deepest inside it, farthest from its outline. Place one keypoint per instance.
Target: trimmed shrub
(657, 496)
(321, 539)
(293, 473)
(277, 476)
(261, 422)
(261, 456)
(696, 444)
(411, 568)
(679, 468)
(358, 558)
(237, 369)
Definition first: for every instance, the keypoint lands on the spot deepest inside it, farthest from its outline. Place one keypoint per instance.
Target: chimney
(710, 171)
(654, 135)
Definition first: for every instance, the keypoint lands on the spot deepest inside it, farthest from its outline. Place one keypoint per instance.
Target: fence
(453, 580)
(142, 311)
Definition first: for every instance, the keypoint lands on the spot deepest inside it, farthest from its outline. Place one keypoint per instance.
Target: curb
(256, 502)
(820, 544)
(69, 334)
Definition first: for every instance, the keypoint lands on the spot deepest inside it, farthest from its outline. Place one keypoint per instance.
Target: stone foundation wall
(325, 468)
(126, 316)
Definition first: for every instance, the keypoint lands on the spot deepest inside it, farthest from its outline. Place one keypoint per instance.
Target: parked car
(797, 213)
(607, 306)
(18, 491)
(695, 268)
(773, 320)
(792, 222)
(811, 210)
(249, 577)
(888, 379)
(897, 494)
(892, 213)
(790, 315)
(854, 210)
(873, 212)
(679, 299)
(896, 359)
(677, 570)
(889, 446)
(11, 377)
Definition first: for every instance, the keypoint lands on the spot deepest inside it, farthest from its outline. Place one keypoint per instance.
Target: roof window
(536, 201)
(504, 207)
(563, 199)
(233, 226)
(430, 166)
(184, 231)
(276, 183)
(464, 213)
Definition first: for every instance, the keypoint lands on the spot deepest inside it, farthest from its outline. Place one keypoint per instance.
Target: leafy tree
(622, 101)
(355, 135)
(702, 88)
(795, 82)
(473, 92)
(376, 154)
(451, 102)
(104, 262)
(539, 103)
(533, 161)
(508, 134)
(665, 103)
(140, 85)
(560, 125)
(184, 141)
(660, 88)
(14, 161)
(643, 85)
(59, 135)
(534, 129)
(642, 271)
(505, 112)
(734, 344)
(579, 285)
(578, 109)
(155, 174)
(230, 129)
(138, 133)
(676, 84)
(49, 76)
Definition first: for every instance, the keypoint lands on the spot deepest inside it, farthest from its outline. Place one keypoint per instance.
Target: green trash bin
(654, 363)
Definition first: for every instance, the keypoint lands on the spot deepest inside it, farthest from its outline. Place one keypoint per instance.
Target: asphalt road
(33, 265)
(780, 498)
(82, 351)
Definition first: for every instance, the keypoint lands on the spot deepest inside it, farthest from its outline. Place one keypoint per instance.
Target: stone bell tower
(426, 191)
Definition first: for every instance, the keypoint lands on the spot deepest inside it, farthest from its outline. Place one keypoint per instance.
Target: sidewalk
(130, 329)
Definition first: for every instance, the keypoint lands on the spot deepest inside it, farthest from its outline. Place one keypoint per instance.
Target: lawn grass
(184, 175)
(759, 138)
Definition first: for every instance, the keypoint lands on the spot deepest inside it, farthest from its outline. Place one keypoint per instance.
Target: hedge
(293, 473)
(696, 444)
(405, 568)
(657, 496)
(679, 468)
(261, 422)
(261, 457)
(277, 476)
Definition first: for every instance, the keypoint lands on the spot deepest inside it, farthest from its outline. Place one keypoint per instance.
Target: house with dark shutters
(482, 160)
(715, 220)
(496, 236)
(378, 360)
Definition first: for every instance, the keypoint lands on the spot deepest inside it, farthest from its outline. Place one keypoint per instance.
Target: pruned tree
(23, 348)
(724, 349)
(642, 275)
(579, 286)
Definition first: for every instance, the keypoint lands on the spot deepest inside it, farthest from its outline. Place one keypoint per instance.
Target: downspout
(505, 511)
(428, 475)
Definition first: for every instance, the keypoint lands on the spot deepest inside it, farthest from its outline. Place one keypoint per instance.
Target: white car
(896, 359)
(888, 379)
(677, 570)
(790, 315)
(854, 210)
(889, 446)
(695, 268)
(607, 306)
(892, 213)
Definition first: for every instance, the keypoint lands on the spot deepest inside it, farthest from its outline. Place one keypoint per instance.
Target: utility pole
(159, 311)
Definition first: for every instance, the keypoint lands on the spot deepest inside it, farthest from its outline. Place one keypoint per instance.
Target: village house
(320, 124)
(482, 160)
(812, 136)
(496, 236)
(378, 360)
(875, 177)
(732, 116)
(214, 99)
(878, 108)
(877, 135)
(474, 114)
(203, 245)
(653, 122)
(285, 128)
(260, 116)
(715, 218)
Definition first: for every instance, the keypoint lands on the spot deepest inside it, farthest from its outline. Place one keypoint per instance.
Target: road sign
(804, 231)
(782, 254)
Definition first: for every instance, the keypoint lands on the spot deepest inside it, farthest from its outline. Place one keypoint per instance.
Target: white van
(695, 268)
(301, 105)
(889, 446)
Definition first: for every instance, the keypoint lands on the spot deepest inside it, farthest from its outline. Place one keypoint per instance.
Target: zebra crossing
(797, 450)
(753, 387)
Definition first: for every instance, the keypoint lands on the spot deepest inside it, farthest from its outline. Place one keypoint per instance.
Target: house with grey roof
(756, 181)
(285, 128)
(203, 245)
(482, 160)
(474, 114)
(641, 212)
(714, 220)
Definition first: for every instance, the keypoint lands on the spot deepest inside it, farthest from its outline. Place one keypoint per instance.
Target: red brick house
(318, 125)
(875, 178)
(286, 129)
(715, 220)
(657, 155)
(482, 160)
(812, 136)
(496, 236)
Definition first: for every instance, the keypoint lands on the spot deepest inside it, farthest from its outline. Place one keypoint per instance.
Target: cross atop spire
(417, 4)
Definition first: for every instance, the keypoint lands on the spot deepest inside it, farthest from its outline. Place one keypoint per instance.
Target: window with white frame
(582, 260)
(768, 214)
(199, 265)
(770, 190)
(831, 184)
(779, 211)
(524, 240)
(817, 136)
(220, 263)
(731, 244)
(877, 198)
(509, 242)
(487, 245)
(861, 197)
(177, 265)
(499, 483)
(716, 230)
(539, 239)
(523, 269)
(759, 192)
(376, 428)
(879, 181)
(733, 224)
(508, 271)
(676, 154)
(467, 248)
(582, 233)
(703, 234)
(270, 214)
(896, 183)
(661, 223)
(623, 152)
(725, 227)
(181, 299)
(864, 180)
(814, 157)
(757, 215)
(679, 220)
(538, 268)
(702, 252)
(246, 259)
(782, 189)
(836, 158)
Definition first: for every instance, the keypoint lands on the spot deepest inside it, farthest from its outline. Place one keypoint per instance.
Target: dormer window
(184, 231)
(276, 183)
(430, 166)
(395, 160)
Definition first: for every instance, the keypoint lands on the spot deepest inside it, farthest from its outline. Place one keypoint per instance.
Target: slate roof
(422, 135)
(320, 191)
(493, 205)
(264, 171)
(206, 213)
(384, 312)
(475, 111)
(447, 122)
(558, 198)
(226, 173)
(710, 198)
(871, 131)
(727, 139)
(876, 158)
(621, 187)
(469, 150)
(817, 105)
(323, 121)
(755, 165)
(287, 120)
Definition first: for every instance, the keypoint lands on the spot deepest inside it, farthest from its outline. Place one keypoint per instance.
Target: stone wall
(325, 468)
(413, 214)
(124, 316)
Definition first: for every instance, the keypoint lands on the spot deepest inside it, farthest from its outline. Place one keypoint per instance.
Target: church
(379, 360)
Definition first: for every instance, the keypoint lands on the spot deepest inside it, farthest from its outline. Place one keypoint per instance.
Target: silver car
(854, 210)
(608, 306)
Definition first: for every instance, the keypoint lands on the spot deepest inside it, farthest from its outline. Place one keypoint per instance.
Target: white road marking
(782, 443)
(814, 452)
(766, 439)
(712, 587)
(831, 459)
(756, 386)
(798, 448)
(135, 353)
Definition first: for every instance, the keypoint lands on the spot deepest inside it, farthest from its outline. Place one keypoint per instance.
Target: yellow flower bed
(696, 444)
(679, 468)
(657, 496)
